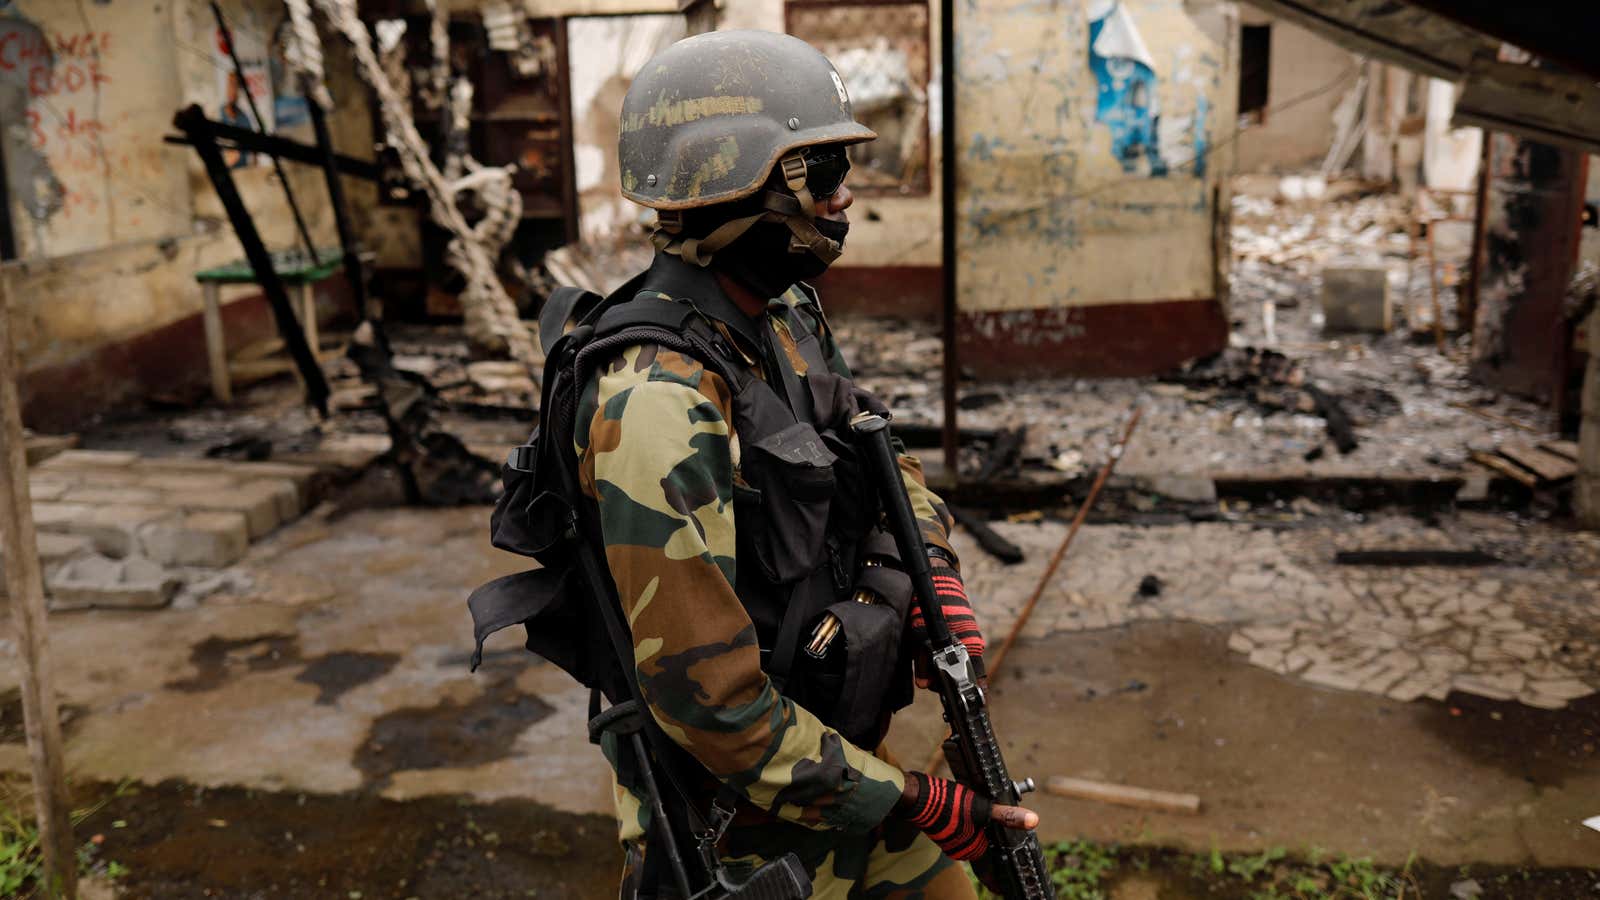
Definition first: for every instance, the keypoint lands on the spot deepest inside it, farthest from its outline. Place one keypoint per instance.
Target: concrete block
(40, 447)
(112, 496)
(304, 477)
(283, 492)
(46, 489)
(115, 529)
(1356, 298)
(211, 539)
(188, 480)
(60, 517)
(97, 582)
(56, 550)
(258, 504)
(182, 464)
(90, 459)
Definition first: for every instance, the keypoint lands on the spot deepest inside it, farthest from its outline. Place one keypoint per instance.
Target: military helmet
(706, 119)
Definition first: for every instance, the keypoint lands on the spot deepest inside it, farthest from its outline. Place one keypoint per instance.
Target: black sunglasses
(826, 168)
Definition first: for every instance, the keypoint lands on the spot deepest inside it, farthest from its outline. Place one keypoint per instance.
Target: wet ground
(178, 841)
(337, 672)
(311, 728)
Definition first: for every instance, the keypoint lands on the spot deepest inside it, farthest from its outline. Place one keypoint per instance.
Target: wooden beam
(25, 587)
(1539, 104)
(1123, 795)
(1507, 468)
(1548, 466)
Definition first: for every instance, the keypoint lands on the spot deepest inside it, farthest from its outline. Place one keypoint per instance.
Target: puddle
(217, 659)
(1541, 746)
(449, 735)
(336, 674)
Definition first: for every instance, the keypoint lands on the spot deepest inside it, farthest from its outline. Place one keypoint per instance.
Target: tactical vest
(804, 517)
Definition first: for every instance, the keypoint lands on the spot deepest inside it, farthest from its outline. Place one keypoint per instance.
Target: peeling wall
(78, 93)
(1091, 150)
(87, 300)
(1298, 127)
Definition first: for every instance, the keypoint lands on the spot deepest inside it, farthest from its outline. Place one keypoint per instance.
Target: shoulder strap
(563, 305)
(574, 304)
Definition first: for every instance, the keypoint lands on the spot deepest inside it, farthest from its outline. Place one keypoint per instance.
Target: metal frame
(202, 135)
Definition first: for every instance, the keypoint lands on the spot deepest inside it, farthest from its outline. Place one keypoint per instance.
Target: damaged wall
(106, 310)
(1092, 170)
(613, 49)
(1298, 127)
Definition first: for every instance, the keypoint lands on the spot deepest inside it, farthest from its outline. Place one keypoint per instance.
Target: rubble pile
(1413, 411)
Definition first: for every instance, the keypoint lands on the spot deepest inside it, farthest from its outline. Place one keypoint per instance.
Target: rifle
(972, 750)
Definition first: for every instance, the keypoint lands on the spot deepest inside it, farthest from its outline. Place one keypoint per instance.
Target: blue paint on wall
(1126, 90)
(1201, 108)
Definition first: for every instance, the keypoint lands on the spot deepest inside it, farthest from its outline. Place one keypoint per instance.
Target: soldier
(735, 525)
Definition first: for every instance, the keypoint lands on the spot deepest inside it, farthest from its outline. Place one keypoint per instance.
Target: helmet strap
(797, 212)
(698, 251)
(805, 236)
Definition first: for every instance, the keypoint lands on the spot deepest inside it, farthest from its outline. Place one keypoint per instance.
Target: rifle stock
(1016, 860)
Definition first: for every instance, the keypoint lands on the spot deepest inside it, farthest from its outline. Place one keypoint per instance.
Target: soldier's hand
(1014, 817)
(954, 815)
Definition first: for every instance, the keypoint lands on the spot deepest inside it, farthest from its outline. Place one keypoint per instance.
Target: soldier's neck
(748, 302)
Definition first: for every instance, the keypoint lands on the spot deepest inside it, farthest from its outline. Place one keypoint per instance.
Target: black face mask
(761, 260)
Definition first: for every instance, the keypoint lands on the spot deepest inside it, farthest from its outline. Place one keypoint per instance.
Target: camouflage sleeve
(932, 513)
(658, 459)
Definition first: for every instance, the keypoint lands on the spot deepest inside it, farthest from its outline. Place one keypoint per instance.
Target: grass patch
(1083, 870)
(21, 857)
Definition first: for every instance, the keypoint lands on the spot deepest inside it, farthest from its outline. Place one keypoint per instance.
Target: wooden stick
(992, 664)
(24, 585)
(1506, 468)
(1454, 404)
(1123, 795)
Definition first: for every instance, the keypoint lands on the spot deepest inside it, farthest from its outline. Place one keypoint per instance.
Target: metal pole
(347, 238)
(948, 225)
(25, 586)
(192, 122)
(261, 127)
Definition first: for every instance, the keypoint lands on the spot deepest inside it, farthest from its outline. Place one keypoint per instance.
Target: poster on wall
(1127, 99)
(288, 105)
(235, 109)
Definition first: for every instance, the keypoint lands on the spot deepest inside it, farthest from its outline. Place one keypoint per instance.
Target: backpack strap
(568, 304)
(564, 304)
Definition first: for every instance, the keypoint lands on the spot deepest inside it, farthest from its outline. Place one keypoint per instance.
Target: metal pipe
(261, 127)
(948, 226)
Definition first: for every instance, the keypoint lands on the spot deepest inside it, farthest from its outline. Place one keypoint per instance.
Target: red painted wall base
(168, 362)
(1111, 340)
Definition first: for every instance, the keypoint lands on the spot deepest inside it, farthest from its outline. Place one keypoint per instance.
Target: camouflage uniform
(658, 455)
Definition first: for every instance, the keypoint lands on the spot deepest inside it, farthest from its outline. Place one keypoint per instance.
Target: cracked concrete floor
(338, 666)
